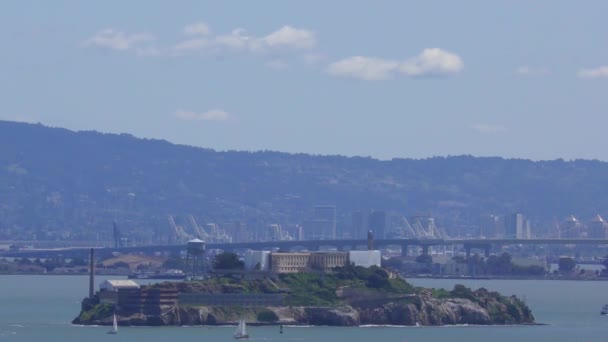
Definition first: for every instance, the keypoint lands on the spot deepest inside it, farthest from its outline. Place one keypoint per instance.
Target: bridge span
(348, 244)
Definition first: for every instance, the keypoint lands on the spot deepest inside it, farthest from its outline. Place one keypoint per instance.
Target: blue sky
(525, 79)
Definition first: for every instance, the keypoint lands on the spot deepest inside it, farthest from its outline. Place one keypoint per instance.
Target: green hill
(55, 182)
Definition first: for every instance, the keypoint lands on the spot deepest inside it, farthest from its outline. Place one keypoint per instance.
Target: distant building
(571, 228)
(365, 220)
(359, 224)
(365, 258)
(297, 232)
(491, 226)
(116, 285)
(257, 260)
(527, 230)
(598, 228)
(377, 223)
(514, 226)
(527, 262)
(274, 232)
(321, 261)
(326, 261)
(289, 262)
(322, 226)
(240, 232)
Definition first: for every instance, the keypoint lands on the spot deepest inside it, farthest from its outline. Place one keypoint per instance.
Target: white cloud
(117, 40)
(238, 40)
(290, 37)
(365, 68)
(430, 62)
(525, 70)
(210, 115)
(197, 29)
(199, 40)
(598, 72)
(488, 128)
(190, 45)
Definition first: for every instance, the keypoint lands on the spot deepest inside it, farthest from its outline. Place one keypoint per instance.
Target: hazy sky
(386, 79)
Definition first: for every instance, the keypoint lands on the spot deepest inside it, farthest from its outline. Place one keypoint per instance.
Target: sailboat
(114, 329)
(241, 330)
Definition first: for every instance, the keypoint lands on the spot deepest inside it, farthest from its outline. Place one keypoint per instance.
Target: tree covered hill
(53, 179)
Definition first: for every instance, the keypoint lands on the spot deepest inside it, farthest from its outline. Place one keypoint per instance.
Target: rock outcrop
(349, 296)
(417, 310)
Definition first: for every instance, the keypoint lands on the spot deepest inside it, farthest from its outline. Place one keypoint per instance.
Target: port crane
(421, 229)
(179, 231)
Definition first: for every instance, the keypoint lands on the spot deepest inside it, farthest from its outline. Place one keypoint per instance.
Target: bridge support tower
(404, 250)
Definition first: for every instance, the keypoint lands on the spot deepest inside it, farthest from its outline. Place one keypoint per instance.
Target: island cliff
(350, 296)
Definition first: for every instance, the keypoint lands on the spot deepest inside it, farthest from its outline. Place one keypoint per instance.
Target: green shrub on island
(97, 312)
(227, 261)
(320, 288)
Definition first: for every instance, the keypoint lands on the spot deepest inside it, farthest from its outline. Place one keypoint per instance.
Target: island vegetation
(348, 296)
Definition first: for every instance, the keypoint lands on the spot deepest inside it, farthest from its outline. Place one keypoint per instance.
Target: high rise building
(491, 227)
(366, 220)
(322, 226)
(377, 223)
(274, 232)
(514, 226)
(571, 228)
(527, 230)
(598, 228)
(360, 224)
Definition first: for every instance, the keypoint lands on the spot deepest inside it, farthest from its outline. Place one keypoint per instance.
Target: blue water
(40, 308)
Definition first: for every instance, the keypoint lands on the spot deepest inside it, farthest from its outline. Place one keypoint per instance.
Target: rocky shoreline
(486, 309)
(349, 296)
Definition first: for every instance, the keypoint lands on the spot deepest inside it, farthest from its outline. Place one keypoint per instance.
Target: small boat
(604, 310)
(114, 329)
(281, 329)
(241, 330)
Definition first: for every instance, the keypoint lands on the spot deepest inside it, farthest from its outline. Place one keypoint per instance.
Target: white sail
(114, 326)
(241, 329)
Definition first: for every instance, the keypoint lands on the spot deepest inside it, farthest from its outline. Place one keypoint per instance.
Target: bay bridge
(469, 245)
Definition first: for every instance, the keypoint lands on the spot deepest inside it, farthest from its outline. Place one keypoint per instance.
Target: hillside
(55, 180)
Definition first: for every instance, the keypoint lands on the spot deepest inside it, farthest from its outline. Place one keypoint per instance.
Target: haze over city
(383, 79)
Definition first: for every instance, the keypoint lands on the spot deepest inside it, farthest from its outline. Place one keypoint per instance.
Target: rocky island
(349, 296)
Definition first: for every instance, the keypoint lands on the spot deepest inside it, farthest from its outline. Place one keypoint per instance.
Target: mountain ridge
(57, 179)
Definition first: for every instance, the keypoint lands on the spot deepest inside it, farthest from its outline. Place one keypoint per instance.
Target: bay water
(40, 308)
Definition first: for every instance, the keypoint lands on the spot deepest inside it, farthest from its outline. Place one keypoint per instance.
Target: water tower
(196, 259)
